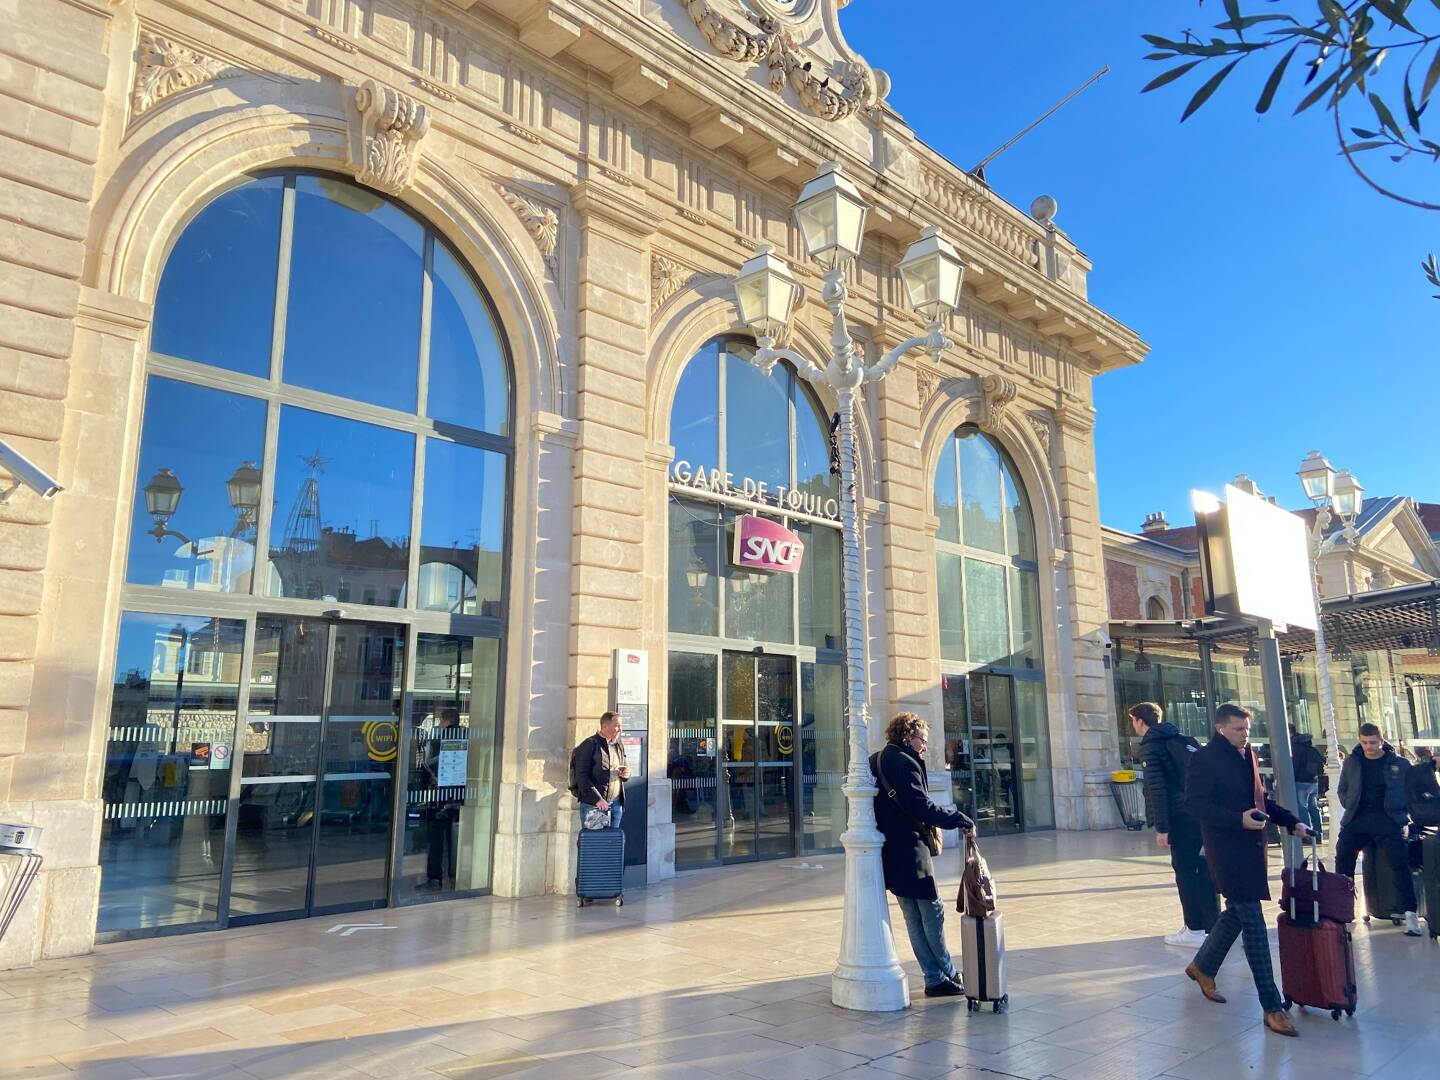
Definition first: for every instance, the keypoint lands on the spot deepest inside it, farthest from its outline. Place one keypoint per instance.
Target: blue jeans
(1308, 796)
(617, 811)
(925, 920)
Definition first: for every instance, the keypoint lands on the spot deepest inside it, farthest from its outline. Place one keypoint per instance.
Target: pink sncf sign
(762, 544)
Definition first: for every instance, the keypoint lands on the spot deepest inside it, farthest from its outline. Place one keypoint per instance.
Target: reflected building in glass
(392, 453)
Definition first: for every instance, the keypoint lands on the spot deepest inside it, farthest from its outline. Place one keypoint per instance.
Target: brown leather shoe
(1280, 1023)
(1206, 984)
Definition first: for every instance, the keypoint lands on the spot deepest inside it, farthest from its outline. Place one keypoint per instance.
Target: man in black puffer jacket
(1166, 753)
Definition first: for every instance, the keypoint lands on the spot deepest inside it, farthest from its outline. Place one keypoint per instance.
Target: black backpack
(1179, 751)
(1309, 764)
(575, 769)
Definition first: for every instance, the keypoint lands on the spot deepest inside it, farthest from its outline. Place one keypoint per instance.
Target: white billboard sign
(1257, 559)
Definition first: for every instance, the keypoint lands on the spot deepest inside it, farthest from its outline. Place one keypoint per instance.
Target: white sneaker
(1186, 939)
(1412, 924)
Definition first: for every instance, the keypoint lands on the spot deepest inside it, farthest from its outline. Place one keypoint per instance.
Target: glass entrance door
(982, 750)
(757, 753)
(317, 786)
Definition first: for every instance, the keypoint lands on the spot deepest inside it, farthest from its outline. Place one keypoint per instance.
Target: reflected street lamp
(162, 499)
(1331, 493)
(831, 217)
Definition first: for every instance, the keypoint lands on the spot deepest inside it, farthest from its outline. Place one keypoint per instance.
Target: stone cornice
(625, 207)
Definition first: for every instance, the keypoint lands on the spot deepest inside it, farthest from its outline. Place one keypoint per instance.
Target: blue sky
(1283, 300)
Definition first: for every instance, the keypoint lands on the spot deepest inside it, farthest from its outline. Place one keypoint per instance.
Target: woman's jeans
(925, 920)
(1308, 796)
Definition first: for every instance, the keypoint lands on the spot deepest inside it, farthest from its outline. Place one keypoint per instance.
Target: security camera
(23, 472)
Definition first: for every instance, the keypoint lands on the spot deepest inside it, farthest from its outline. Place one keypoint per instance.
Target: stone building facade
(593, 171)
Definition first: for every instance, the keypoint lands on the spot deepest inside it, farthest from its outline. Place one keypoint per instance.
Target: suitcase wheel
(1335, 1014)
(580, 901)
(971, 1005)
(1003, 1005)
(619, 901)
(1395, 922)
(1350, 1011)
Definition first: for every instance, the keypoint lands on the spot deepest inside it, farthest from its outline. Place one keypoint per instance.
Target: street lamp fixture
(244, 489)
(162, 499)
(830, 215)
(1318, 479)
(1349, 497)
(697, 577)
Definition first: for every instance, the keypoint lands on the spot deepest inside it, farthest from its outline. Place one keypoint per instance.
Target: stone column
(608, 525)
(1082, 794)
(52, 84)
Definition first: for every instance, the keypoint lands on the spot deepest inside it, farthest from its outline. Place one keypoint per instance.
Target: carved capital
(165, 67)
(667, 277)
(927, 381)
(1040, 424)
(541, 222)
(996, 394)
(385, 136)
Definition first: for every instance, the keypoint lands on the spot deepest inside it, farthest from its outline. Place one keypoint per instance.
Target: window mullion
(427, 293)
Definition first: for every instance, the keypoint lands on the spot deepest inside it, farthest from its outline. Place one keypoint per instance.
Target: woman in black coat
(1224, 792)
(903, 810)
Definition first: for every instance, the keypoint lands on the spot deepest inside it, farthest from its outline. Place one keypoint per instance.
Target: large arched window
(987, 593)
(754, 652)
(314, 592)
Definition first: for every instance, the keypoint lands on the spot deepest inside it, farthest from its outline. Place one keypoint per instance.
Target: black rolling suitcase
(1381, 900)
(600, 866)
(1429, 890)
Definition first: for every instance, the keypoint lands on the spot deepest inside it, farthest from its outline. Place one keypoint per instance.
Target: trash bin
(1129, 798)
(19, 866)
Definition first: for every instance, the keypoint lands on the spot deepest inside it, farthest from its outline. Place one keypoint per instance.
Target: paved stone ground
(722, 972)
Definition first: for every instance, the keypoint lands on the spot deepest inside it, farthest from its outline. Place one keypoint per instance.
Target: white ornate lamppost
(1331, 493)
(831, 218)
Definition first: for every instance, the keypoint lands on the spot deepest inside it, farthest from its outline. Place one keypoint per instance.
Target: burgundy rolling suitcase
(1317, 962)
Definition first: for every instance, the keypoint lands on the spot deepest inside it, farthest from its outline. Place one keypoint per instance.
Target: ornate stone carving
(442, 92)
(522, 132)
(996, 394)
(332, 38)
(1041, 425)
(927, 379)
(851, 85)
(971, 206)
(384, 144)
(166, 67)
(541, 222)
(691, 216)
(667, 277)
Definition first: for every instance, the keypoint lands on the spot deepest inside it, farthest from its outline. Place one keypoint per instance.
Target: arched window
(988, 615)
(755, 679)
(321, 506)
(1155, 608)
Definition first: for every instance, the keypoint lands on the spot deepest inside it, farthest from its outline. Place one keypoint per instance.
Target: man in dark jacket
(1225, 793)
(1372, 791)
(599, 772)
(1166, 756)
(1422, 793)
(903, 811)
(1309, 767)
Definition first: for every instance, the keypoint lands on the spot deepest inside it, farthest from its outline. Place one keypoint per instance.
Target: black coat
(1166, 756)
(1352, 783)
(1422, 796)
(592, 771)
(1221, 787)
(908, 871)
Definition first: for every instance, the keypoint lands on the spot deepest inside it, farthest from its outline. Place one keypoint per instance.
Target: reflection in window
(821, 607)
(985, 613)
(694, 429)
(812, 444)
(690, 762)
(980, 494)
(462, 544)
(229, 250)
(952, 607)
(696, 533)
(165, 786)
(469, 377)
(757, 423)
(823, 752)
(352, 245)
(197, 488)
(347, 486)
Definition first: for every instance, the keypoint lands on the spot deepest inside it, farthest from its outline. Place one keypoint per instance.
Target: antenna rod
(979, 171)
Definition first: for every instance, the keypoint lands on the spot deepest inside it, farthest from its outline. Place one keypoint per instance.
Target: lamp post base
(868, 977)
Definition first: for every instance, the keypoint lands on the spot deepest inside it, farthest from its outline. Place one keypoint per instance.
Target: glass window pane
(757, 423)
(167, 770)
(957, 742)
(350, 247)
(462, 530)
(449, 803)
(1025, 618)
(202, 437)
(1038, 796)
(216, 302)
(986, 620)
(759, 605)
(696, 533)
(822, 754)
(980, 490)
(694, 429)
(342, 510)
(690, 761)
(947, 494)
(812, 445)
(469, 381)
(951, 598)
(821, 607)
(1019, 532)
